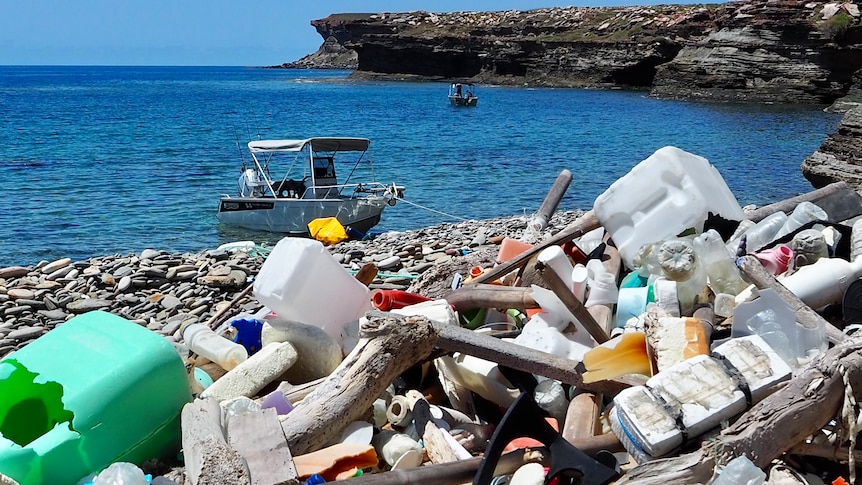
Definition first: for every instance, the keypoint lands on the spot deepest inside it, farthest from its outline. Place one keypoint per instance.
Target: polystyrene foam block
(700, 390)
(646, 422)
(660, 197)
(761, 367)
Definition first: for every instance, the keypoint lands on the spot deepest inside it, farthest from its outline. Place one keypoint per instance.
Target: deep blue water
(104, 160)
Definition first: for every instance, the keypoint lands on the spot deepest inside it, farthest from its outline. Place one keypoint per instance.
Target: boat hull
(291, 216)
(463, 102)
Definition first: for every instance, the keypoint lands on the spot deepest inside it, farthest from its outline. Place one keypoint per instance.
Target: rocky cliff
(750, 51)
(839, 158)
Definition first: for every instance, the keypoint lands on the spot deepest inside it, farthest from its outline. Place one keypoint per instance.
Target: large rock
(839, 158)
(775, 52)
(744, 51)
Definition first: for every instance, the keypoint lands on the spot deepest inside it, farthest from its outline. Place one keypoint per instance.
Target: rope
(432, 210)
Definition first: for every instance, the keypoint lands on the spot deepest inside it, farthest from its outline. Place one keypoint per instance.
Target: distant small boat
(463, 94)
(308, 189)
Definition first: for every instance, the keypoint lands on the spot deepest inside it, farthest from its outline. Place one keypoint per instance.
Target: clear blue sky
(198, 32)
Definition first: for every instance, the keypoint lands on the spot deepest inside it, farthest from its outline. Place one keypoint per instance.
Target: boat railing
(345, 190)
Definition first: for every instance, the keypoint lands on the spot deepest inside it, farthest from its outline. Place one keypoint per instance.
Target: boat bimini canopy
(317, 144)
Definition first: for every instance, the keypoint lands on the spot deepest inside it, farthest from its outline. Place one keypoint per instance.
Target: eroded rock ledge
(746, 51)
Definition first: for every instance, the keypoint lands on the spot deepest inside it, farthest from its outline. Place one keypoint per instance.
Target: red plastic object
(386, 300)
(840, 481)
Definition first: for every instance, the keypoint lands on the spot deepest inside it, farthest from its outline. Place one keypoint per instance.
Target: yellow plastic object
(621, 355)
(327, 230)
(96, 390)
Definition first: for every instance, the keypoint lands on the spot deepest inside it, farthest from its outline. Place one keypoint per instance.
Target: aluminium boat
(463, 94)
(289, 183)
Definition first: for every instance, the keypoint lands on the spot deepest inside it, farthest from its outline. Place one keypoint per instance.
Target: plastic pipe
(386, 300)
(398, 412)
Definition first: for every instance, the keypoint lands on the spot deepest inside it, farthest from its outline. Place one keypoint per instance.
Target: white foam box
(700, 390)
(760, 366)
(646, 421)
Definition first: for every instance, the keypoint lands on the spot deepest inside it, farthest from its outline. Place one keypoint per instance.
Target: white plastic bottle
(203, 341)
(679, 263)
(804, 213)
(824, 282)
(718, 262)
(764, 232)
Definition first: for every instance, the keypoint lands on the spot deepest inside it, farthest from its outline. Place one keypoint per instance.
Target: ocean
(113, 160)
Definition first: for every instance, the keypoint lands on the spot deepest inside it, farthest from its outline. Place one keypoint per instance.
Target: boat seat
(289, 189)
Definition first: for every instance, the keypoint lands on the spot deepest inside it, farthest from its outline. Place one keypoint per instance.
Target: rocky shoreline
(161, 290)
(758, 51)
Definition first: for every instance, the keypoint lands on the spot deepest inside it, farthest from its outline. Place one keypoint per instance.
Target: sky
(199, 32)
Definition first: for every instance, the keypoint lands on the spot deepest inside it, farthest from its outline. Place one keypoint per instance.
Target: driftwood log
(582, 225)
(773, 426)
(389, 345)
(209, 459)
(755, 273)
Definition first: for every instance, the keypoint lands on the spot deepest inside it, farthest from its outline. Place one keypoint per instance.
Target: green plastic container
(95, 390)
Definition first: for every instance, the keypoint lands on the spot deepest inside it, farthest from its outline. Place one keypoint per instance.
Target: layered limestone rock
(572, 47)
(776, 52)
(839, 158)
(745, 51)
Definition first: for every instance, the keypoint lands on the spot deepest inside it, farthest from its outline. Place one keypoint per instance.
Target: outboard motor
(249, 183)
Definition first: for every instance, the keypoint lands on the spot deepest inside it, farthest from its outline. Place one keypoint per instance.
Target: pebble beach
(161, 290)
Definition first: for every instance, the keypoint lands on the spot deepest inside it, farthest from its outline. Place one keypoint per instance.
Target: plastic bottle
(121, 473)
(740, 471)
(603, 290)
(580, 275)
(764, 231)
(679, 263)
(719, 264)
(804, 213)
(824, 282)
(203, 341)
(766, 325)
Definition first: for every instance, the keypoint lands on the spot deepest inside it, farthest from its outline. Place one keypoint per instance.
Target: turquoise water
(105, 160)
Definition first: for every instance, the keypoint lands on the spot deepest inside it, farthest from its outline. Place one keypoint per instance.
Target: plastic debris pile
(666, 322)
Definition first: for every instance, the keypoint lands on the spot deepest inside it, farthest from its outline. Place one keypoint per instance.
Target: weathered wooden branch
(389, 345)
(491, 296)
(438, 449)
(258, 438)
(208, 458)
(456, 339)
(456, 473)
(825, 450)
(573, 304)
(772, 426)
(582, 225)
(787, 205)
(753, 271)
